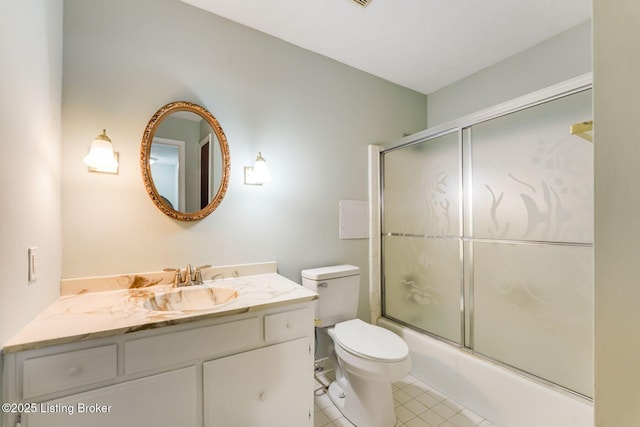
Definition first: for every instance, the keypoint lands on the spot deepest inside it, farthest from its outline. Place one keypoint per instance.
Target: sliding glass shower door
(488, 239)
(422, 235)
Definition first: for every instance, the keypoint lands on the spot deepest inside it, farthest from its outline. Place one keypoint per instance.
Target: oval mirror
(185, 161)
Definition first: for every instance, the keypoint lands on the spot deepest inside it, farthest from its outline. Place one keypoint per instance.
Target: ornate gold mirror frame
(145, 160)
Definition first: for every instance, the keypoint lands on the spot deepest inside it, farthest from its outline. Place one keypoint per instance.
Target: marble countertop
(87, 314)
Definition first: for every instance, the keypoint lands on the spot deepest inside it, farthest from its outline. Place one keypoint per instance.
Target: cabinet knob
(263, 396)
(288, 325)
(73, 371)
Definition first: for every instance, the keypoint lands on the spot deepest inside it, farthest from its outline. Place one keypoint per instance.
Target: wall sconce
(258, 174)
(101, 157)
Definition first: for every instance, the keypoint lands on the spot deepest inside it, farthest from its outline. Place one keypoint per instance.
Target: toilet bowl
(366, 358)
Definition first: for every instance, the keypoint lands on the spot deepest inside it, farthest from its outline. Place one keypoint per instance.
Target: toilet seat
(370, 341)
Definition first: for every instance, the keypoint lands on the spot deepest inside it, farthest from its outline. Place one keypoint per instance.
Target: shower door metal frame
(462, 126)
(459, 237)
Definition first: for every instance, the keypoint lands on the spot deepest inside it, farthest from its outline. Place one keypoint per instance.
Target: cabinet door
(168, 399)
(271, 386)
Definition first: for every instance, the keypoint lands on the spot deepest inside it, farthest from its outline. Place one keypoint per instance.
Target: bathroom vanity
(244, 362)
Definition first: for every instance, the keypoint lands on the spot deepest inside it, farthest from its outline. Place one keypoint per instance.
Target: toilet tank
(338, 287)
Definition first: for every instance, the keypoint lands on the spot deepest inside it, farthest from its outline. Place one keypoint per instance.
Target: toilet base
(336, 395)
(365, 403)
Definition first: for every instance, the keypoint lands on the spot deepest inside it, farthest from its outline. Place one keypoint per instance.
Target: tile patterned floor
(417, 405)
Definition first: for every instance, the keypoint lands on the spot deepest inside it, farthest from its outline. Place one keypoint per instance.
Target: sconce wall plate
(257, 174)
(249, 177)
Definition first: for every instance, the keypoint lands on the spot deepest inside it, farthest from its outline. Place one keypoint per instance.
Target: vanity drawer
(178, 347)
(57, 372)
(288, 325)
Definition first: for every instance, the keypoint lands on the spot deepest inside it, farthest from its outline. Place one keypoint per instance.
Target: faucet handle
(198, 273)
(177, 278)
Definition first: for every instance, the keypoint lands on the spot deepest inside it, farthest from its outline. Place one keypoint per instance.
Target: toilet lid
(370, 341)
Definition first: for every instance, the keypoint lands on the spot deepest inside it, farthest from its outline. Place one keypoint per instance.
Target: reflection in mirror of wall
(185, 161)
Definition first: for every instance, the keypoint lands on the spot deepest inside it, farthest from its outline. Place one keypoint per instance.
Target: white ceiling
(420, 44)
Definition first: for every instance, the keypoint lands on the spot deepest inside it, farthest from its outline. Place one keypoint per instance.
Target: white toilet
(366, 358)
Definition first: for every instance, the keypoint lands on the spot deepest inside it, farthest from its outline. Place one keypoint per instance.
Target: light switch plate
(33, 263)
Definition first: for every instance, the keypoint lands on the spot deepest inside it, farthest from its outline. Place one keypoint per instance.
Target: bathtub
(505, 397)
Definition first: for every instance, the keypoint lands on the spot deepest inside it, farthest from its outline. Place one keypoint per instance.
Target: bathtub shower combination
(487, 235)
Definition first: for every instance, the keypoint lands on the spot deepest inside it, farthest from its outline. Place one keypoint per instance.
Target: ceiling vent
(362, 3)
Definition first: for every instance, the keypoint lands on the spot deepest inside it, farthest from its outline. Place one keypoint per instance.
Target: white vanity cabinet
(166, 399)
(249, 369)
(263, 387)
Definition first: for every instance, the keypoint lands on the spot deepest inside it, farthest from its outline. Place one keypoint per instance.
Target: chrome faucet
(188, 276)
(191, 276)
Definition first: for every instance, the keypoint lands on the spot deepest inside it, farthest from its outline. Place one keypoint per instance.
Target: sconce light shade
(259, 173)
(260, 169)
(101, 157)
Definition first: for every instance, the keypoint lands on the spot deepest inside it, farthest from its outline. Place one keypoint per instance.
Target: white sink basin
(190, 298)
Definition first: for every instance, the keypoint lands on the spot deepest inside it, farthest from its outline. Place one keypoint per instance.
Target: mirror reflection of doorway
(169, 178)
(210, 169)
(205, 171)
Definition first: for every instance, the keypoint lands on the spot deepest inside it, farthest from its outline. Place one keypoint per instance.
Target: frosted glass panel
(532, 179)
(533, 309)
(422, 283)
(421, 188)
